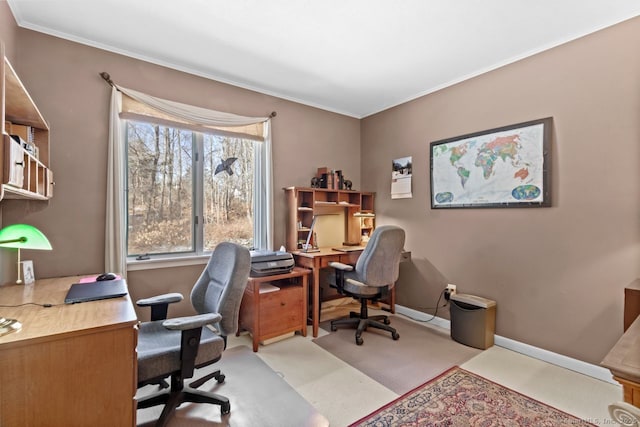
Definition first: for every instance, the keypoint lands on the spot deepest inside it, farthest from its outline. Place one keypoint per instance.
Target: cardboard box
(322, 171)
(24, 132)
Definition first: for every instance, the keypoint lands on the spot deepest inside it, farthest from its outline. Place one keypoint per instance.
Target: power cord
(443, 293)
(46, 305)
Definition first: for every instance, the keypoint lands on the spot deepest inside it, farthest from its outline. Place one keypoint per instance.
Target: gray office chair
(375, 273)
(175, 347)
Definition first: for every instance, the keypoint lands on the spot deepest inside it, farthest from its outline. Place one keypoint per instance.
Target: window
(188, 190)
(168, 158)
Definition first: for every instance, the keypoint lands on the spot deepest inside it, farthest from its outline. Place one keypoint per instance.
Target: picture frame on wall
(505, 167)
(401, 178)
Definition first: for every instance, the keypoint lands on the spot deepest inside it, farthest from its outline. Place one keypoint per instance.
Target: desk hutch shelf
(24, 164)
(304, 203)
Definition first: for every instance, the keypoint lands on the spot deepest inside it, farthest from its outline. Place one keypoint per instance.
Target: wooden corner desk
(315, 261)
(69, 365)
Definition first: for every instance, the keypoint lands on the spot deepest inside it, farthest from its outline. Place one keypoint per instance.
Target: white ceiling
(354, 57)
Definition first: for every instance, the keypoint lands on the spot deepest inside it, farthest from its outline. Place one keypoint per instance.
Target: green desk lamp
(23, 236)
(20, 236)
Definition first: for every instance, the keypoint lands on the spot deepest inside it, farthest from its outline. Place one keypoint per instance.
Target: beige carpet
(258, 396)
(459, 398)
(420, 354)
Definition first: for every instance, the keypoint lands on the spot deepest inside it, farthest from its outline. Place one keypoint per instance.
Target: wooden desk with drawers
(283, 309)
(69, 365)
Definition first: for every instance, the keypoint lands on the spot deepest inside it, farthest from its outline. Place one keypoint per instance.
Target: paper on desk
(268, 287)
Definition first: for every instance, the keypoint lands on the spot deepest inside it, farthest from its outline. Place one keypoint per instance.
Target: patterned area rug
(459, 398)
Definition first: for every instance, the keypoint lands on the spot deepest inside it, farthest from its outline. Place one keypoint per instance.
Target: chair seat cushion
(159, 350)
(360, 289)
(353, 285)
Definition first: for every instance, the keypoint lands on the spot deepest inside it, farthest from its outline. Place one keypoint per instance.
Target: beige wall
(556, 273)
(63, 79)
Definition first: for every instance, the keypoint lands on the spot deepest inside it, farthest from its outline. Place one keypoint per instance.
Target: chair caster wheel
(395, 336)
(334, 328)
(386, 321)
(359, 340)
(221, 378)
(225, 408)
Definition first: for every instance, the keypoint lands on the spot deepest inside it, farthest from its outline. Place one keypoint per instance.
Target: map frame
(541, 146)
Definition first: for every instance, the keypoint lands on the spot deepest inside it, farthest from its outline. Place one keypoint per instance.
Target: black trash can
(473, 320)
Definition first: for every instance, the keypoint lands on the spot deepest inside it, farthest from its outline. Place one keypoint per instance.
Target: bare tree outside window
(228, 194)
(163, 215)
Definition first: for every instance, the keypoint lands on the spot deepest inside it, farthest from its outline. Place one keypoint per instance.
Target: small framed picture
(27, 272)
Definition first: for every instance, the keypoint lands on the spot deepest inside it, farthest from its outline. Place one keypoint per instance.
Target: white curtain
(115, 254)
(115, 238)
(263, 193)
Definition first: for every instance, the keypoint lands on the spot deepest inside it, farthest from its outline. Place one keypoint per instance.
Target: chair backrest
(379, 263)
(221, 285)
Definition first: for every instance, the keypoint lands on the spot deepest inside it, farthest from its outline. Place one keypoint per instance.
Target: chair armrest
(190, 328)
(191, 322)
(340, 266)
(355, 282)
(159, 304)
(340, 269)
(160, 299)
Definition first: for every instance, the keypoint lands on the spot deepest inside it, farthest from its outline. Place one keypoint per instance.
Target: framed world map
(505, 167)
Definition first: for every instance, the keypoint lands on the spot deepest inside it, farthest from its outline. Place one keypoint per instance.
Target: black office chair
(175, 347)
(375, 273)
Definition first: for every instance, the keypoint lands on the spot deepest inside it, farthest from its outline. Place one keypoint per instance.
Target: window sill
(166, 262)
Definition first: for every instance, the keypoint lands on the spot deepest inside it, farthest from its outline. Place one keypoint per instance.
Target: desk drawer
(325, 260)
(350, 258)
(281, 311)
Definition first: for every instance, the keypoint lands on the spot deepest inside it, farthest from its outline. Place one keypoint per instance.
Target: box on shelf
(24, 132)
(321, 171)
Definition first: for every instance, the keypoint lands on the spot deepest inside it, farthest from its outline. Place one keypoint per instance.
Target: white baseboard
(594, 371)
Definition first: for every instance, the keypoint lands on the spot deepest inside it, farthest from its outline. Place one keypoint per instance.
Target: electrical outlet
(449, 290)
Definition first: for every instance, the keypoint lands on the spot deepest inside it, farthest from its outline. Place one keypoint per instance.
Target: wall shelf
(24, 163)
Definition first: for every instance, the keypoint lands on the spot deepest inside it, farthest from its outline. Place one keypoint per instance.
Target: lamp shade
(23, 236)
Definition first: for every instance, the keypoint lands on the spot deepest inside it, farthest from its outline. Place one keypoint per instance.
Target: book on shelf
(327, 180)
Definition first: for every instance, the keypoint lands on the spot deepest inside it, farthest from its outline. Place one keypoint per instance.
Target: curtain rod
(107, 78)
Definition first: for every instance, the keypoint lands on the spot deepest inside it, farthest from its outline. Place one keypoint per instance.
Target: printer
(268, 263)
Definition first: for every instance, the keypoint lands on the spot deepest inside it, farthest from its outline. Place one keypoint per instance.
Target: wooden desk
(624, 363)
(271, 314)
(631, 303)
(623, 360)
(69, 365)
(315, 261)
